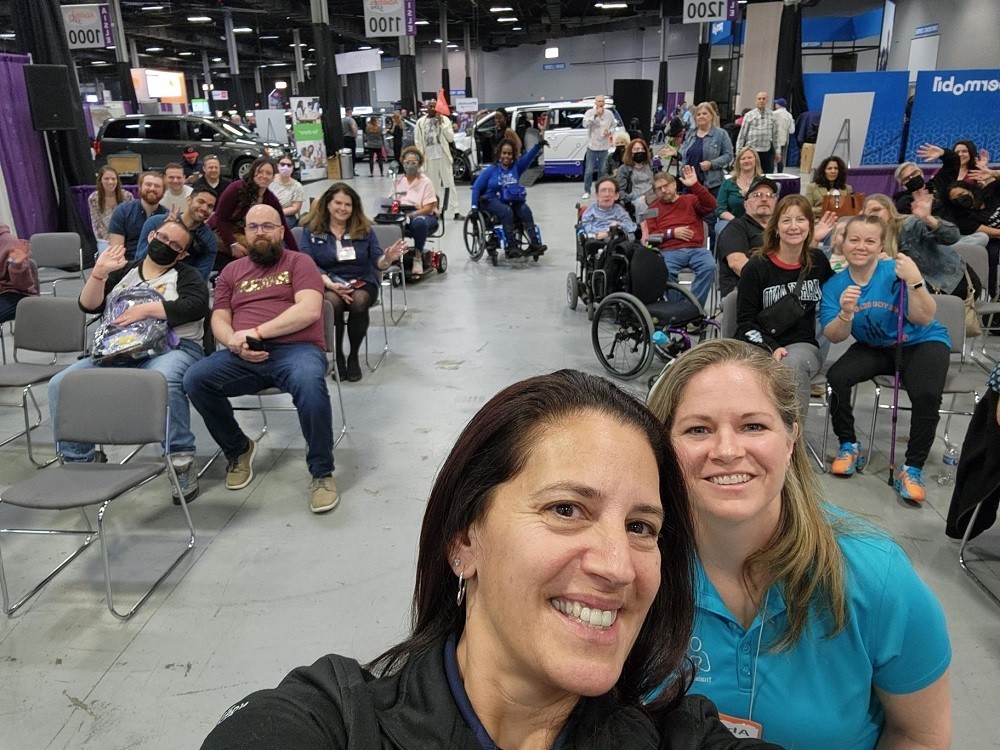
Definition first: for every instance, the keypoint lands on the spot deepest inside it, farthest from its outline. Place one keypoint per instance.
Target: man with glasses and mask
(204, 244)
(743, 235)
(268, 315)
(184, 307)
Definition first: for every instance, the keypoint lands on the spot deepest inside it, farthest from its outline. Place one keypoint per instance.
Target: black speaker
(634, 98)
(54, 103)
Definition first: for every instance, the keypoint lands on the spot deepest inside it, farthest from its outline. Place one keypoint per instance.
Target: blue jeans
(593, 162)
(420, 228)
(298, 369)
(699, 260)
(505, 213)
(173, 365)
(8, 305)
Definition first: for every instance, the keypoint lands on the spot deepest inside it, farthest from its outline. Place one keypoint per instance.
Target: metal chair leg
(392, 309)
(962, 561)
(385, 346)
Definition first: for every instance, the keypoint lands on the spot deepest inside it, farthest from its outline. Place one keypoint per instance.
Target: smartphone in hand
(357, 283)
(256, 344)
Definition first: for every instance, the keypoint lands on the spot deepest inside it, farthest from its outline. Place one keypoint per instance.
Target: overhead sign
(88, 26)
(390, 18)
(927, 30)
(220, 96)
(553, 66)
(707, 11)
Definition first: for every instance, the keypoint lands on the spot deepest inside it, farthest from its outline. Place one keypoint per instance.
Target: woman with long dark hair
(230, 212)
(967, 153)
(830, 178)
(554, 592)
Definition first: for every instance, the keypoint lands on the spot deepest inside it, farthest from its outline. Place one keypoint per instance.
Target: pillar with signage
(327, 80)
(307, 125)
(705, 12)
(397, 18)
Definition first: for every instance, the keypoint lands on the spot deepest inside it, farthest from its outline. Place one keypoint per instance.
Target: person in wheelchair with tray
(415, 206)
(604, 233)
(502, 199)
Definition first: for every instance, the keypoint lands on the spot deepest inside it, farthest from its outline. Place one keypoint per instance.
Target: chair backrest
(297, 233)
(387, 233)
(975, 257)
(49, 324)
(329, 326)
(729, 315)
(57, 250)
(112, 406)
(951, 314)
(648, 275)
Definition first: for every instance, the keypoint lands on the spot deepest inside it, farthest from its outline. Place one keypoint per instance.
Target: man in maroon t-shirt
(268, 313)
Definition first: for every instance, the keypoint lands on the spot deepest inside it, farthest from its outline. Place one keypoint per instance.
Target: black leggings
(357, 316)
(922, 375)
(374, 153)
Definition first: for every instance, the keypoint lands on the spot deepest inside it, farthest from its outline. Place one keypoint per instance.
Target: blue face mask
(411, 169)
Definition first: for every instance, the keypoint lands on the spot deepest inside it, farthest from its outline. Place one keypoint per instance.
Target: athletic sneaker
(239, 473)
(910, 484)
(324, 495)
(585, 196)
(848, 461)
(418, 265)
(187, 478)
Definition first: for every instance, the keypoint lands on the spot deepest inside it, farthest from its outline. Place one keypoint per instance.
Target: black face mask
(964, 200)
(639, 157)
(161, 253)
(264, 253)
(914, 184)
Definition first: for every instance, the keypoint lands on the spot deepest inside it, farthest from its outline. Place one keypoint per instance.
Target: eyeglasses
(662, 188)
(762, 196)
(267, 226)
(174, 245)
(411, 163)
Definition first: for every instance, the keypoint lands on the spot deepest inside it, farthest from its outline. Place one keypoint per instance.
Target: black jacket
(938, 185)
(978, 477)
(334, 704)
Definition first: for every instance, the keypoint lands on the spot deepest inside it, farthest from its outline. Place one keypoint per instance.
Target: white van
(565, 133)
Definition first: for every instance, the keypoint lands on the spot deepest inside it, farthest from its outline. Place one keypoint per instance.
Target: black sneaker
(187, 478)
(341, 367)
(353, 369)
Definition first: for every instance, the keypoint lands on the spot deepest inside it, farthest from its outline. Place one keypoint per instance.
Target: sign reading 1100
(390, 18)
(705, 11)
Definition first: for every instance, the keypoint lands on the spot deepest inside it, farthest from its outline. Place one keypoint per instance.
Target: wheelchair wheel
(474, 231)
(442, 263)
(572, 291)
(622, 335)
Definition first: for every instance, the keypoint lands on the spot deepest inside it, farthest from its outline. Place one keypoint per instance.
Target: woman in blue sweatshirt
(496, 191)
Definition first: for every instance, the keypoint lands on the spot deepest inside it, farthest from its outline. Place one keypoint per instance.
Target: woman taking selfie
(553, 592)
(812, 628)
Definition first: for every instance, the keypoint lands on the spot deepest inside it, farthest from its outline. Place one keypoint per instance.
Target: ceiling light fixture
(242, 30)
(100, 62)
(611, 6)
(507, 19)
(269, 36)
(281, 84)
(8, 35)
(551, 53)
(452, 46)
(154, 49)
(501, 9)
(422, 23)
(300, 44)
(515, 28)
(363, 47)
(199, 19)
(437, 41)
(216, 59)
(152, 7)
(185, 54)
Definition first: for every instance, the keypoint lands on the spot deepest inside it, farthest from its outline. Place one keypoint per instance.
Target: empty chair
(59, 256)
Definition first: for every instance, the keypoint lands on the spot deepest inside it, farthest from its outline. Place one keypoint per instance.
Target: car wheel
(460, 168)
(241, 168)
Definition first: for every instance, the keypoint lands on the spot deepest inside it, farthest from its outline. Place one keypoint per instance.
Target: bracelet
(843, 318)
(256, 330)
(918, 285)
(99, 278)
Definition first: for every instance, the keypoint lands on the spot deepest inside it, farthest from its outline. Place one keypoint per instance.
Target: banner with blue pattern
(951, 105)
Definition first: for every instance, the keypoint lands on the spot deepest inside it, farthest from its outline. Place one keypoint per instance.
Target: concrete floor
(271, 586)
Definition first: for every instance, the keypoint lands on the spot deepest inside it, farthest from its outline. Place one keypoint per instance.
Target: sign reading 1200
(699, 11)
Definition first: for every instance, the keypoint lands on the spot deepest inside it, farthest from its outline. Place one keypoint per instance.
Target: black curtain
(408, 82)
(788, 78)
(358, 93)
(702, 73)
(446, 84)
(662, 87)
(468, 85)
(39, 28)
(327, 87)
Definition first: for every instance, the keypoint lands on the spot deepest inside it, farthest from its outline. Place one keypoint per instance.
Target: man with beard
(127, 221)
(204, 244)
(268, 314)
(212, 178)
(743, 235)
(184, 307)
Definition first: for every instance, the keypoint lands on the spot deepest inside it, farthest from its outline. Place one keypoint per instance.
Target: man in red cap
(193, 168)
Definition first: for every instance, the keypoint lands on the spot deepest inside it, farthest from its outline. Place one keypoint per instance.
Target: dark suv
(159, 140)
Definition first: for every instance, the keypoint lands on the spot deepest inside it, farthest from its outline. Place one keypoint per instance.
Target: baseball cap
(781, 102)
(190, 150)
(766, 182)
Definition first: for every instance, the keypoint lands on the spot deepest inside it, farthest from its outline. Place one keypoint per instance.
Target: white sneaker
(585, 196)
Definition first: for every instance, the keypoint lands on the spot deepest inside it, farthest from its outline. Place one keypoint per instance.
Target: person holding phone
(341, 240)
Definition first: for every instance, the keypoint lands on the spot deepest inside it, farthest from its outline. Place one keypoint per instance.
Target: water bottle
(660, 338)
(950, 463)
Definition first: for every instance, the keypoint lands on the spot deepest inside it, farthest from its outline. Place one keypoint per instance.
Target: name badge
(346, 252)
(742, 728)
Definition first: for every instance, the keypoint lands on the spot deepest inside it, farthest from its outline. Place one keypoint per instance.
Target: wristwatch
(918, 285)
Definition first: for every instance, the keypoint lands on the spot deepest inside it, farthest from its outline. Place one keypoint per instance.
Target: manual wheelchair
(629, 328)
(484, 235)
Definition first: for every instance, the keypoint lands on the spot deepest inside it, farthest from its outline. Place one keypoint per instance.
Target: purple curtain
(23, 158)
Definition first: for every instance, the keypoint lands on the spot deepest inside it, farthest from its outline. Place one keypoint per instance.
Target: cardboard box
(806, 159)
(333, 168)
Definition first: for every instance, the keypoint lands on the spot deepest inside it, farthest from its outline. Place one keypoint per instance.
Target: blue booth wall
(885, 139)
(950, 105)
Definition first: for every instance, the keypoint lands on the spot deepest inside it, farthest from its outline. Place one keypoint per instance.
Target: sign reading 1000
(699, 11)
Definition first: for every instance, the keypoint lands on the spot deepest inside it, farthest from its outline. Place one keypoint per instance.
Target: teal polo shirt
(819, 694)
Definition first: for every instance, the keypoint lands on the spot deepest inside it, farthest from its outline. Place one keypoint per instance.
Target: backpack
(117, 345)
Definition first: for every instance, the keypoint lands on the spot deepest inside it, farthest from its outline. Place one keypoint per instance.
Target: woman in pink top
(415, 193)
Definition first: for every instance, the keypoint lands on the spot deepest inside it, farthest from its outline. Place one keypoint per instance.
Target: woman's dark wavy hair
(970, 187)
(499, 147)
(494, 448)
(973, 151)
(249, 194)
(819, 176)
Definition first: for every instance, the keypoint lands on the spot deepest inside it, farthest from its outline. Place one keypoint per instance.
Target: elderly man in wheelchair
(604, 231)
(500, 208)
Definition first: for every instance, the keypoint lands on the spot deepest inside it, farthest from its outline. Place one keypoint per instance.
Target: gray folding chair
(59, 256)
(388, 234)
(950, 314)
(113, 406)
(976, 258)
(330, 336)
(297, 233)
(42, 324)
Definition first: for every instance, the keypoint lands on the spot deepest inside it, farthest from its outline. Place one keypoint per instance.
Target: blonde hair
(890, 238)
(803, 556)
(757, 170)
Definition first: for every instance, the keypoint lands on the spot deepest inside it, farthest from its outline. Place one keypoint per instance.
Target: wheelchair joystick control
(394, 209)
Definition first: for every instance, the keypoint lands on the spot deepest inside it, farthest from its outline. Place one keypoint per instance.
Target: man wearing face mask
(184, 307)
(268, 314)
(911, 178)
(415, 193)
(204, 243)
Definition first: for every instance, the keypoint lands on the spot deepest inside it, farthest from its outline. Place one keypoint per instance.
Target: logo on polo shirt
(699, 657)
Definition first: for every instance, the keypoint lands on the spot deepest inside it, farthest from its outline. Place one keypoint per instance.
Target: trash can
(346, 164)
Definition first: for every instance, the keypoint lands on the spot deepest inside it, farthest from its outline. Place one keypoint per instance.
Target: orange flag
(442, 105)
